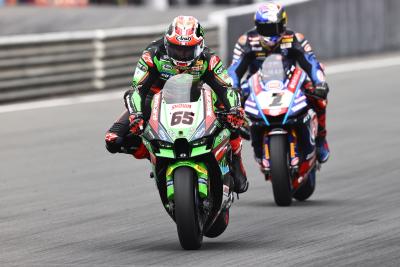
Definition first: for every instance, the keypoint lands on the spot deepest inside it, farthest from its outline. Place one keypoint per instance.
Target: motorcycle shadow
(208, 244)
(308, 203)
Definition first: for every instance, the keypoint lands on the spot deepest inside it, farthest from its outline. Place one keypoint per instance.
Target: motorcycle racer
(180, 50)
(271, 35)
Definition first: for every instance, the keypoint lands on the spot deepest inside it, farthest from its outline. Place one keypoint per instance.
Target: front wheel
(280, 177)
(186, 209)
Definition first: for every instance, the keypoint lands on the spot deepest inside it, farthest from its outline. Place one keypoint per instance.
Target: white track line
(332, 69)
(363, 64)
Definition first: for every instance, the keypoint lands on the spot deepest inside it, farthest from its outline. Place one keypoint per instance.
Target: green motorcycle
(190, 156)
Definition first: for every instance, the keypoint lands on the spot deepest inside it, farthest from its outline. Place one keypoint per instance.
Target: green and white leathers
(190, 155)
(155, 67)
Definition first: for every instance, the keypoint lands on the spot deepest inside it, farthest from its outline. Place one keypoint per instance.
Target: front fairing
(277, 95)
(180, 127)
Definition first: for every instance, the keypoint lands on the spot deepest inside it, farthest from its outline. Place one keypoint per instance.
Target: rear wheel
(186, 209)
(280, 177)
(307, 189)
(219, 225)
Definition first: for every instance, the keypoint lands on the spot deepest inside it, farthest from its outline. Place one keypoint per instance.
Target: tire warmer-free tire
(280, 176)
(186, 209)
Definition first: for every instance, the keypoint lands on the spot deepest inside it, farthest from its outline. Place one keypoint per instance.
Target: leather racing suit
(152, 71)
(248, 56)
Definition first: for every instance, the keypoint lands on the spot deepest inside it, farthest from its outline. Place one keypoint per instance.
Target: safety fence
(40, 65)
(339, 28)
(33, 66)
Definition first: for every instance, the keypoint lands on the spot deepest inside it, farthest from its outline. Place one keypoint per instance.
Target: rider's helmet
(184, 41)
(270, 20)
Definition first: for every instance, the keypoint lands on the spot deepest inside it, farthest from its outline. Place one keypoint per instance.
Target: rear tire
(307, 189)
(219, 225)
(186, 209)
(280, 177)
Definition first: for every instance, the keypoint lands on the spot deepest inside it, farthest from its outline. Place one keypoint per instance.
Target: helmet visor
(182, 53)
(270, 29)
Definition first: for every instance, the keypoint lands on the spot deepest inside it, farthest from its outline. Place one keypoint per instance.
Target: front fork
(203, 184)
(293, 152)
(201, 174)
(299, 169)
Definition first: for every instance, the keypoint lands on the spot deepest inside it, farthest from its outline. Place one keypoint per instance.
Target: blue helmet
(270, 20)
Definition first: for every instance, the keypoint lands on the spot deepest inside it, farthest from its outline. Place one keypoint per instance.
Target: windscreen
(181, 88)
(272, 69)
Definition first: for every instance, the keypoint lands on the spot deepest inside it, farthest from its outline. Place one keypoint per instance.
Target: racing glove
(136, 123)
(321, 90)
(235, 117)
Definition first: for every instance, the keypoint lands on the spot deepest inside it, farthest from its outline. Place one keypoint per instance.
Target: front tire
(280, 177)
(186, 209)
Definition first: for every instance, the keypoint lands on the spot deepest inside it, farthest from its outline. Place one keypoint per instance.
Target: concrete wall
(336, 28)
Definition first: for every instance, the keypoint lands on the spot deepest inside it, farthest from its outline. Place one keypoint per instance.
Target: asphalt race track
(64, 201)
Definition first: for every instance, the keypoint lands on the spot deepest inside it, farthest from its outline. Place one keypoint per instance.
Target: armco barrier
(34, 66)
(51, 64)
(335, 28)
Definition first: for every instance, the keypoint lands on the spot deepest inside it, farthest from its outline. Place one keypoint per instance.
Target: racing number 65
(185, 117)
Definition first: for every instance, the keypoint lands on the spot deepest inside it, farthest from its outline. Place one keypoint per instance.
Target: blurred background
(121, 2)
(58, 47)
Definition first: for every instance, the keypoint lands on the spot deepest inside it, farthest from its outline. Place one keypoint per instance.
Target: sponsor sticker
(181, 106)
(167, 67)
(274, 85)
(286, 45)
(256, 48)
(183, 39)
(287, 39)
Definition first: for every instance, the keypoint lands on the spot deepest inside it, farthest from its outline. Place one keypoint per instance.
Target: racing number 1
(182, 117)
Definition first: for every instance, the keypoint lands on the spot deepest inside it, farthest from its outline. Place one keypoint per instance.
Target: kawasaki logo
(184, 38)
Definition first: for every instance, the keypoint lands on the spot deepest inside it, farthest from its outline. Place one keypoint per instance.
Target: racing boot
(238, 172)
(115, 135)
(322, 149)
(322, 145)
(118, 139)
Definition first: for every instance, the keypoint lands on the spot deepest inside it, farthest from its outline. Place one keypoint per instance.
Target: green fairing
(202, 176)
(166, 153)
(199, 151)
